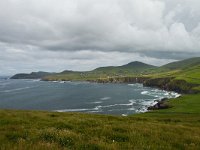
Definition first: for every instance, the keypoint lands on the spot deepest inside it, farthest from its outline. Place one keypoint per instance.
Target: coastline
(164, 83)
(160, 129)
(160, 103)
(144, 105)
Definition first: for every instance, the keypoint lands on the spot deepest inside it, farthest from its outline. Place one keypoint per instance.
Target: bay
(115, 99)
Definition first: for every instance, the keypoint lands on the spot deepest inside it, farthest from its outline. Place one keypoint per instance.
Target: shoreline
(142, 109)
(135, 80)
(156, 106)
(160, 102)
(164, 83)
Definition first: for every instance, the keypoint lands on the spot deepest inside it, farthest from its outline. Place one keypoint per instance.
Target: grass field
(174, 128)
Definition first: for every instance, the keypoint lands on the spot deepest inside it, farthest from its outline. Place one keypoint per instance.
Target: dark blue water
(119, 99)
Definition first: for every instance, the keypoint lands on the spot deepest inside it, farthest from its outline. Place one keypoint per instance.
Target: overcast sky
(57, 35)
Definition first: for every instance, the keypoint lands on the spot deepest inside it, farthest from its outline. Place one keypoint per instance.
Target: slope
(184, 64)
(133, 68)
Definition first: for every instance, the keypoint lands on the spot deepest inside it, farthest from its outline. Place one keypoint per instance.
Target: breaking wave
(17, 89)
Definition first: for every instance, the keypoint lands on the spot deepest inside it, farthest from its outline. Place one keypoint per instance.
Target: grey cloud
(75, 30)
(101, 25)
(20, 60)
(169, 54)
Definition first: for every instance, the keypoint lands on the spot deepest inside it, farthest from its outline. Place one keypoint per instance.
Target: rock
(160, 105)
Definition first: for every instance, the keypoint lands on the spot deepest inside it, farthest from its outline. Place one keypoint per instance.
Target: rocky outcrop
(171, 84)
(160, 105)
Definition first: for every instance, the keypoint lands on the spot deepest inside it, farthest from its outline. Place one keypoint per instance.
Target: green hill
(124, 70)
(186, 70)
(32, 75)
(184, 64)
(183, 68)
(185, 73)
(133, 68)
(181, 76)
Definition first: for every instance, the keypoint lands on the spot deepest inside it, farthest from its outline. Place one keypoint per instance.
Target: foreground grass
(174, 128)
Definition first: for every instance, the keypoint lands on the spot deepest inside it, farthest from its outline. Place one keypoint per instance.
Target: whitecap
(97, 107)
(93, 111)
(33, 80)
(17, 89)
(166, 94)
(144, 92)
(97, 102)
(105, 98)
(148, 103)
(131, 109)
(72, 110)
(177, 95)
(113, 105)
(136, 85)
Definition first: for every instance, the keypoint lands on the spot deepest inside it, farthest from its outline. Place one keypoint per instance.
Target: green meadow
(175, 128)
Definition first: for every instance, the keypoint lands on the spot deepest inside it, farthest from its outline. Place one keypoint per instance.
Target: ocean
(115, 99)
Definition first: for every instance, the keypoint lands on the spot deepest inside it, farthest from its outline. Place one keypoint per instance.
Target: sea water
(117, 99)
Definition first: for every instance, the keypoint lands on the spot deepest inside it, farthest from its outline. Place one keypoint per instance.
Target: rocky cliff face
(169, 83)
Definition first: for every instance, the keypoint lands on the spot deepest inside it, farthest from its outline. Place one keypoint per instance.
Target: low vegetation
(175, 128)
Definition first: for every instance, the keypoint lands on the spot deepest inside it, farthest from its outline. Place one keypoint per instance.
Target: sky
(57, 35)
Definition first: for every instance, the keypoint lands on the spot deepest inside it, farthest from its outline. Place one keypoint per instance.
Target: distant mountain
(181, 76)
(33, 75)
(184, 64)
(137, 65)
(132, 67)
(188, 68)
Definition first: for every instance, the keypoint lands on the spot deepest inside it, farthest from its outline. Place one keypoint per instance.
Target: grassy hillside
(191, 75)
(187, 69)
(130, 69)
(182, 76)
(184, 64)
(174, 128)
(133, 67)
